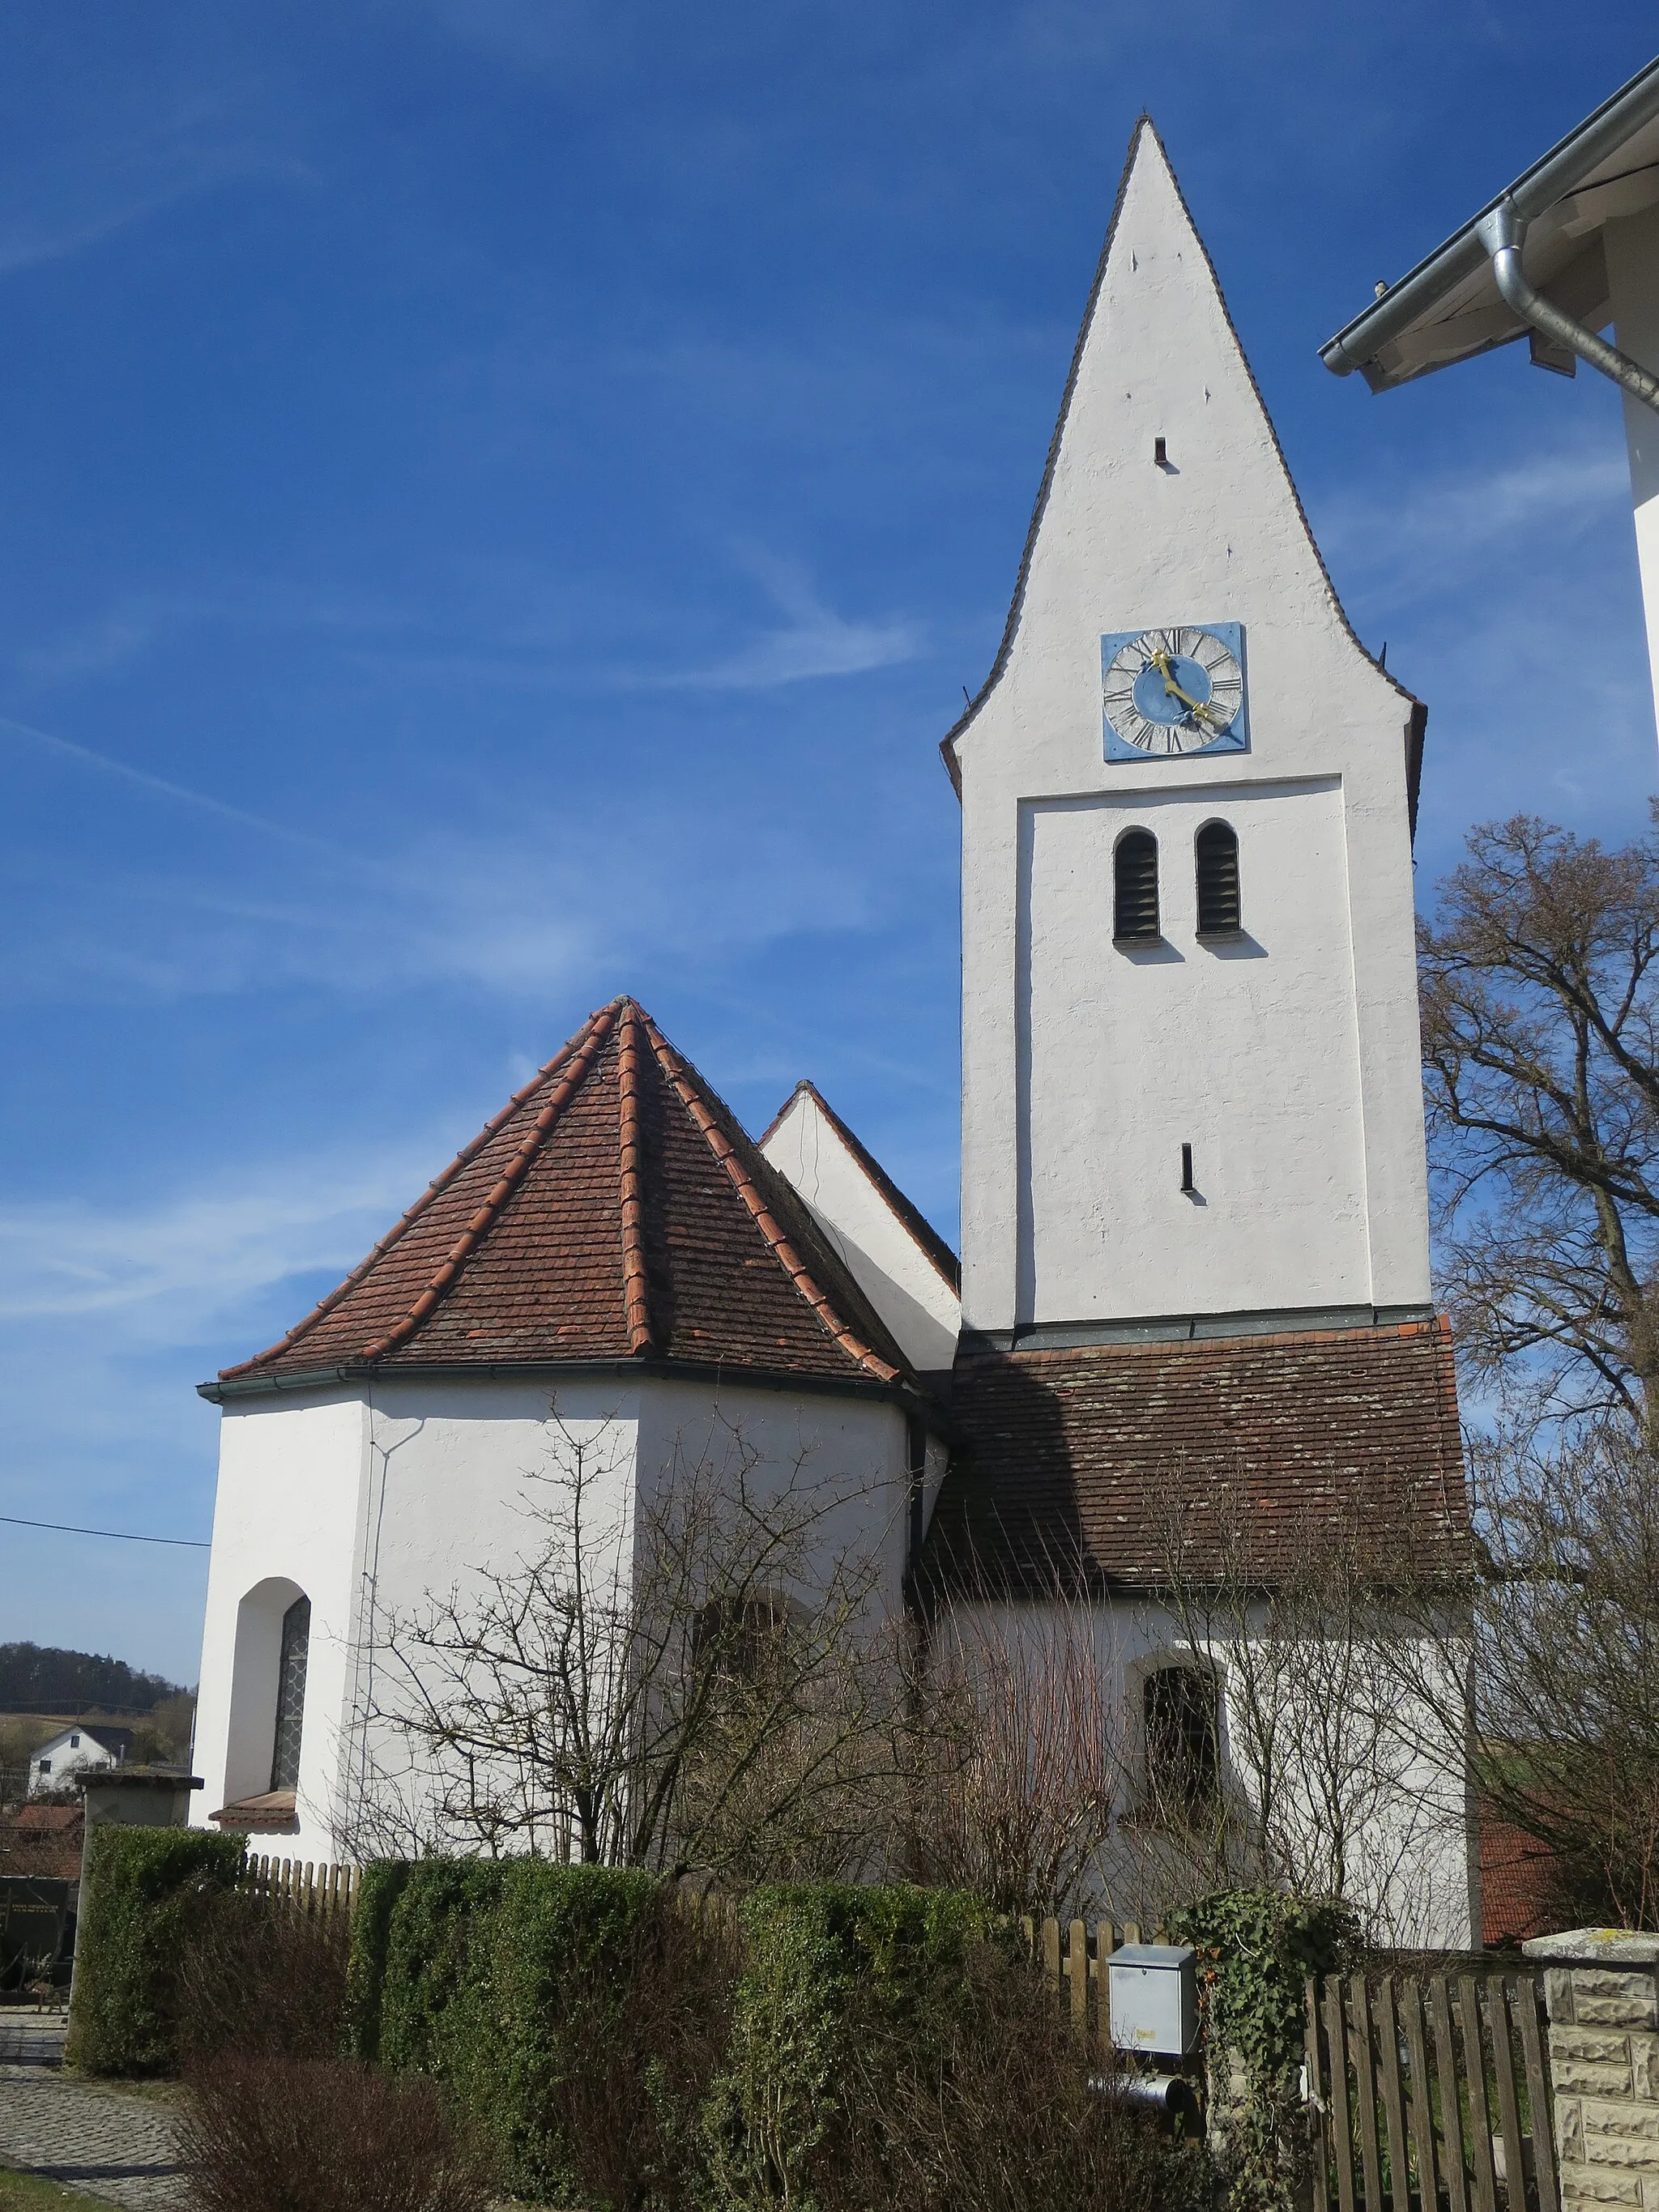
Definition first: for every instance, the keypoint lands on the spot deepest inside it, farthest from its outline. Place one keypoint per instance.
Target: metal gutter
(1561, 171)
(1503, 233)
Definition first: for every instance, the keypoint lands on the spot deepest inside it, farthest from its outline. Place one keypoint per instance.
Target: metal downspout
(1501, 233)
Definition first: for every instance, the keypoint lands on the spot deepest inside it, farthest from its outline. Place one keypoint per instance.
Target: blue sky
(499, 501)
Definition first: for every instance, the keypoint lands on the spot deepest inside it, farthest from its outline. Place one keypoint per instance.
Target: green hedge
(141, 1889)
(463, 1969)
(825, 1963)
(512, 1980)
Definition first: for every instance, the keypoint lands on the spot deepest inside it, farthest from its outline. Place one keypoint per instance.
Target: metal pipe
(1561, 171)
(1502, 234)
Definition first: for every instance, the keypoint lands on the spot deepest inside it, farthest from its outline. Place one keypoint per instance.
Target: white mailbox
(1152, 1990)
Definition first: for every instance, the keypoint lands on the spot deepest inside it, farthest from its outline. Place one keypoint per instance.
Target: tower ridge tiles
(1147, 169)
(613, 1209)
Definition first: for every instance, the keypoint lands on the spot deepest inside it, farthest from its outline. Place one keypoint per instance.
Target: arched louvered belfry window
(1134, 903)
(291, 1695)
(1216, 849)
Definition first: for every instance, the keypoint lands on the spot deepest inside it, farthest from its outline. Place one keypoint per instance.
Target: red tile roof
(1068, 1459)
(613, 1209)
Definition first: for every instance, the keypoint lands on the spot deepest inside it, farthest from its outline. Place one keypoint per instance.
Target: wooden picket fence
(1430, 2092)
(1074, 1963)
(317, 1889)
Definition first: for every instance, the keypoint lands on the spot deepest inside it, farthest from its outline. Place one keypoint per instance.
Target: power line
(120, 1535)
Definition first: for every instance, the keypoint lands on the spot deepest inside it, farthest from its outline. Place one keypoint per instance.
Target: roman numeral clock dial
(1175, 691)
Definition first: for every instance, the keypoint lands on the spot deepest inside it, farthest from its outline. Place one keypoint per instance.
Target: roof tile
(1067, 1458)
(614, 1208)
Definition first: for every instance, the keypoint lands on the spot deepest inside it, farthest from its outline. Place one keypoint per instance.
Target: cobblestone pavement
(113, 2146)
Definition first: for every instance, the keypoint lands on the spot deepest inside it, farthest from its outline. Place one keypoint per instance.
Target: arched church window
(1134, 905)
(290, 1695)
(1216, 849)
(1181, 1711)
(742, 1640)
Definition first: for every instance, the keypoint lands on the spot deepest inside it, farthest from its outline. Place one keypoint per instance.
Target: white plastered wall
(1408, 1853)
(374, 1503)
(884, 1259)
(1631, 245)
(1121, 1058)
(369, 1503)
(836, 1463)
(286, 1519)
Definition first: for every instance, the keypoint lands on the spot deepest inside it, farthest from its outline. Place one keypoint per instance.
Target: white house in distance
(74, 1751)
(1572, 246)
(1194, 1215)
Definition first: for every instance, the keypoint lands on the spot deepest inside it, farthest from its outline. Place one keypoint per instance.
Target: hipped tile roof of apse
(1078, 1469)
(614, 1209)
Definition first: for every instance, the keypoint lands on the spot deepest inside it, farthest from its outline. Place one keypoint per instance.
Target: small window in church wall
(291, 1695)
(1181, 1711)
(1216, 850)
(1134, 904)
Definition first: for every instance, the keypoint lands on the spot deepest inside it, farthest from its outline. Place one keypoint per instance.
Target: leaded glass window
(291, 1695)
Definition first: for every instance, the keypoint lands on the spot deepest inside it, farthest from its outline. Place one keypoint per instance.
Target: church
(1195, 1218)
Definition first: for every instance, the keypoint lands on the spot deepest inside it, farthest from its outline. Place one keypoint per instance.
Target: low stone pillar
(1602, 1987)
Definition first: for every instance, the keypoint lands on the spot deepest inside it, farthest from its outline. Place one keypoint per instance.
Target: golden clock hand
(1200, 707)
(1203, 710)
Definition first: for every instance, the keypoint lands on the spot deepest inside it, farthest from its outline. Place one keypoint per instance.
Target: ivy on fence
(1256, 1951)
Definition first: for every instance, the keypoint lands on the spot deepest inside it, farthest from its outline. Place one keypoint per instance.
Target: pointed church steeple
(1175, 1107)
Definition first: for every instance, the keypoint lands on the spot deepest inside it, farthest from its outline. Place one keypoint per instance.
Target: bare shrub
(260, 1980)
(296, 2135)
(1003, 2110)
(1015, 1755)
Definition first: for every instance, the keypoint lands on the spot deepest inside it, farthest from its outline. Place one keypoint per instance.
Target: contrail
(182, 792)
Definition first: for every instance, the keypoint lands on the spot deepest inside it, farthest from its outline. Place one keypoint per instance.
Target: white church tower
(1191, 1096)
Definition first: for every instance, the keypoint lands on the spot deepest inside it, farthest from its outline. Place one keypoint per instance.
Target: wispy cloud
(167, 1270)
(1406, 549)
(133, 622)
(812, 641)
(109, 168)
(524, 909)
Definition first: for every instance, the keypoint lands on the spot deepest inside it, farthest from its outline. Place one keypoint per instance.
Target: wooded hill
(37, 1677)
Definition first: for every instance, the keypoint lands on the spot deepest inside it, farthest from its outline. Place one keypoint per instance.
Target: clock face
(1175, 691)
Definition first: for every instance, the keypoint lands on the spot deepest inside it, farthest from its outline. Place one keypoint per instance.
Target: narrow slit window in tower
(290, 1695)
(1216, 850)
(1134, 907)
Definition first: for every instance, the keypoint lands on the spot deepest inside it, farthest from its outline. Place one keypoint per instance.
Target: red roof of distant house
(1518, 1878)
(46, 1838)
(614, 1209)
(47, 1820)
(1071, 1461)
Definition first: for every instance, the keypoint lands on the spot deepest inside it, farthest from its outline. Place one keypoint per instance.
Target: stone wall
(1602, 1987)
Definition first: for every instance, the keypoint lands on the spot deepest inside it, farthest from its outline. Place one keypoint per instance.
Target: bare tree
(677, 1674)
(1542, 1068)
(1313, 1778)
(1549, 1664)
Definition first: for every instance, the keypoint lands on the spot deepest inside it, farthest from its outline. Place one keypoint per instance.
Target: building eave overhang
(358, 1373)
(1606, 141)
